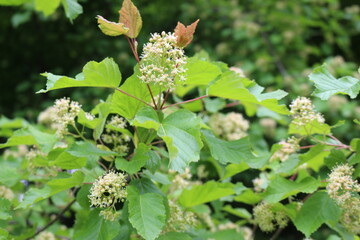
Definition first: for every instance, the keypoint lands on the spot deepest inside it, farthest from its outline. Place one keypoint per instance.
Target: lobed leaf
(185, 34)
(327, 85)
(111, 28)
(95, 74)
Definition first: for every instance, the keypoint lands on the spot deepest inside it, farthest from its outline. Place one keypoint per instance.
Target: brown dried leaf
(130, 17)
(185, 34)
(111, 28)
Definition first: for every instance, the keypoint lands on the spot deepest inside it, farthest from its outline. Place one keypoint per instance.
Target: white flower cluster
(45, 235)
(59, 116)
(287, 148)
(182, 181)
(108, 189)
(303, 112)
(267, 219)
(21, 151)
(118, 140)
(6, 193)
(179, 220)
(342, 188)
(162, 61)
(341, 184)
(231, 126)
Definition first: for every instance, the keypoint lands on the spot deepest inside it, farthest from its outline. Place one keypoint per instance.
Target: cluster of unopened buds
(231, 126)
(267, 219)
(287, 148)
(112, 136)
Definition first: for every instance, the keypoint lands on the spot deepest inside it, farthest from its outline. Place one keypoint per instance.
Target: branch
(52, 221)
(187, 101)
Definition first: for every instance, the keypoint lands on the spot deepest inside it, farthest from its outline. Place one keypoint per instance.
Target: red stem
(187, 101)
(166, 97)
(232, 104)
(309, 146)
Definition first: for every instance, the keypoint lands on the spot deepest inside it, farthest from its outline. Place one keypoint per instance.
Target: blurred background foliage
(277, 43)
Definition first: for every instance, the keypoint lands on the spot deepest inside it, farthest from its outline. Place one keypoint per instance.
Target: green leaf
(317, 209)
(208, 192)
(230, 85)
(146, 213)
(9, 176)
(314, 158)
(147, 118)
(327, 85)
(248, 197)
(335, 158)
(130, 17)
(311, 128)
(228, 152)
(87, 149)
(125, 105)
(174, 236)
(13, 3)
(46, 7)
(232, 169)
(54, 186)
(281, 188)
(5, 213)
(68, 161)
(200, 72)
(72, 9)
(111, 28)
(239, 212)
(103, 109)
(31, 136)
(95, 74)
(96, 227)
(136, 162)
(181, 133)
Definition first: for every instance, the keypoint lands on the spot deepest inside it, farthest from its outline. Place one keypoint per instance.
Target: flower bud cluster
(110, 214)
(341, 184)
(21, 151)
(59, 116)
(45, 235)
(118, 140)
(287, 148)
(343, 189)
(162, 61)
(267, 219)
(179, 220)
(303, 112)
(231, 126)
(6, 193)
(108, 190)
(182, 181)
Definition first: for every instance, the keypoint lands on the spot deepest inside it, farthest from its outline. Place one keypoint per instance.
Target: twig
(156, 142)
(165, 99)
(277, 233)
(187, 101)
(232, 104)
(52, 221)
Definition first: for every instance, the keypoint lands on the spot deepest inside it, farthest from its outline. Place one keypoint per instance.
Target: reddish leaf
(111, 28)
(185, 34)
(130, 17)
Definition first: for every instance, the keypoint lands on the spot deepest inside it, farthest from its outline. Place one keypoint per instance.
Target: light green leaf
(181, 133)
(314, 158)
(31, 136)
(136, 162)
(281, 188)
(232, 169)
(47, 7)
(111, 28)
(311, 128)
(327, 85)
(200, 72)
(72, 8)
(95, 226)
(248, 197)
(239, 212)
(208, 192)
(317, 209)
(146, 213)
(13, 2)
(34, 195)
(127, 106)
(103, 109)
(230, 85)
(95, 74)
